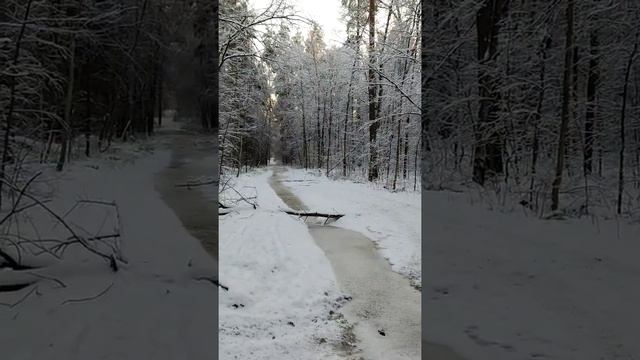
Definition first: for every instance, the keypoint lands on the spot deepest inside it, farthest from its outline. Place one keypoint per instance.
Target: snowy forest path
(385, 308)
(193, 161)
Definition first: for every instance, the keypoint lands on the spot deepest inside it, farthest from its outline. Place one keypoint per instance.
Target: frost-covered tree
(528, 98)
(330, 101)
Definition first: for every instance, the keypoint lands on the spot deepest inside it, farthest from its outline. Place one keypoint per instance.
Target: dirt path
(385, 309)
(193, 157)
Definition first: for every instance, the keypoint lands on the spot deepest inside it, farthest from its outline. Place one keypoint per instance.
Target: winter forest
(319, 138)
(108, 112)
(352, 110)
(531, 178)
(283, 179)
(537, 101)
(77, 74)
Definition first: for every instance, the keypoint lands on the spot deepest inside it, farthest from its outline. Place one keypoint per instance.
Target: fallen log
(314, 214)
(196, 184)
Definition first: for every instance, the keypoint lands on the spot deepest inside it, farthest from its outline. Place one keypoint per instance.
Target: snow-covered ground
(152, 308)
(507, 286)
(390, 219)
(282, 290)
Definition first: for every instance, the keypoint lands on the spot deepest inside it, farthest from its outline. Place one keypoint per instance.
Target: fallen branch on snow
(314, 214)
(74, 237)
(88, 298)
(59, 282)
(189, 185)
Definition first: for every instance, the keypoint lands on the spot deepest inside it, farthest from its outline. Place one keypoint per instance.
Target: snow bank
(504, 286)
(151, 309)
(280, 283)
(392, 220)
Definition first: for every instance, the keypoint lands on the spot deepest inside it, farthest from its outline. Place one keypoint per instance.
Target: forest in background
(77, 75)
(536, 101)
(351, 110)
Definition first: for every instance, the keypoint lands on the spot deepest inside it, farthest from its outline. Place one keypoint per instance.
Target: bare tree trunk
(305, 153)
(221, 148)
(329, 130)
(344, 133)
(592, 84)
(415, 164)
(489, 146)
(373, 124)
(66, 126)
(546, 44)
(350, 100)
(388, 172)
(318, 146)
(406, 150)
(160, 81)
(240, 157)
(395, 175)
(321, 132)
(622, 124)
(566, 108)
(87, 129)
(572, 132)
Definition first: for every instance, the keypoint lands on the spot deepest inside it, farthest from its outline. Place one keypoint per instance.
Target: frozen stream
(385, 308)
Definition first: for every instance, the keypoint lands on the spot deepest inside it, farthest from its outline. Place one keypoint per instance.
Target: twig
(48, 278)
(88, 298)
(82, 241)
(22, 193)
(242, 197)
(213, 281)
